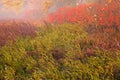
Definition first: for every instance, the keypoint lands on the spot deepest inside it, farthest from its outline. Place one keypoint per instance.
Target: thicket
(59, 52)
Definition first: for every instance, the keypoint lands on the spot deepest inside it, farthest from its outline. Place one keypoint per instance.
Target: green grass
(58, 53)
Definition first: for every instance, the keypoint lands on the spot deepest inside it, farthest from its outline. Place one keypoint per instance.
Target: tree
(47, 4)
(14, 5)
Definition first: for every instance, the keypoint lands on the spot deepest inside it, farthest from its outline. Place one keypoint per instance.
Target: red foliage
(10, 30)
(107, 14)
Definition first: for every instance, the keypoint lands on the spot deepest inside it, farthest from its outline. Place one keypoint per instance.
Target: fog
(32, 9)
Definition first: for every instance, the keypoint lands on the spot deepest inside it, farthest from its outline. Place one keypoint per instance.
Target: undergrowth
(59, 52)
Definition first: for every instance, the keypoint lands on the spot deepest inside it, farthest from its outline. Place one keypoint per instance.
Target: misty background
(33, 9)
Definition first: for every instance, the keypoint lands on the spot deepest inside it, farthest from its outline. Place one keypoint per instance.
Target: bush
(58, 53)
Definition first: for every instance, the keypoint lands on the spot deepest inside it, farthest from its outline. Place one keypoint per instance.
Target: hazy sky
(29, 8)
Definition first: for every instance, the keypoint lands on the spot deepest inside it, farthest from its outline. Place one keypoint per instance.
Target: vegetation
(74, 43)
(96, 14)
(59, 52)
(11, 30)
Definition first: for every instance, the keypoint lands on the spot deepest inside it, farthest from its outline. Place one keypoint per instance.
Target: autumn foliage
(11, 30)
(101, 21)
(74, 43)
(106, 14)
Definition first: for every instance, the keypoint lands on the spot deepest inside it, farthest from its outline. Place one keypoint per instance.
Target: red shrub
(102, 15)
